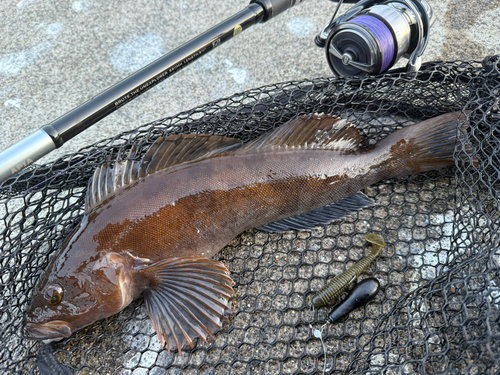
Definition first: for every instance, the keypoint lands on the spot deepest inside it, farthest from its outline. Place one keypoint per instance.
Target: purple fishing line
(383, 35)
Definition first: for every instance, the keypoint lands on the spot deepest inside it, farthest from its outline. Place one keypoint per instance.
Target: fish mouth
(53, 331)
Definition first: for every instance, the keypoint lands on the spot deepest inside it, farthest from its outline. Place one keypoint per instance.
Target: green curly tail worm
(333, 289)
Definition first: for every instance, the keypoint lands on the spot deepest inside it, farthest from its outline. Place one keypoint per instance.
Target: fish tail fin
(432, 144)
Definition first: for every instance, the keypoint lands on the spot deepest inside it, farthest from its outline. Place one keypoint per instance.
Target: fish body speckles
(156, 221)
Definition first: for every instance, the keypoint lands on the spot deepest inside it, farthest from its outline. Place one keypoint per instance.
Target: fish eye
(53, 294)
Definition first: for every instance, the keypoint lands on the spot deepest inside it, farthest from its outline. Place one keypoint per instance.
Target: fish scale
(150, 225)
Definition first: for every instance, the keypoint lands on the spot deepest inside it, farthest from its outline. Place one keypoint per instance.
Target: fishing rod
(369, 39)
(58, 132)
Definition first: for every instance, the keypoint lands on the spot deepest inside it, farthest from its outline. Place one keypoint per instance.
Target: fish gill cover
(438, 310)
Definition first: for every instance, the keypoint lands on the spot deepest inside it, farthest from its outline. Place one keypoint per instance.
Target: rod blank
(58, 132)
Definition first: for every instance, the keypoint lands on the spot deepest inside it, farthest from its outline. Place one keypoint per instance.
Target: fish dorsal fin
(108, 179)
(317, 131)
(181, 148)
(164, 153)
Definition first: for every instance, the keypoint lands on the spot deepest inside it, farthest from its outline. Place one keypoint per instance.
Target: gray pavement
(55, 54)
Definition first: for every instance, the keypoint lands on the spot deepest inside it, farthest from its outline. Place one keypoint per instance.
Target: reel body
(373, 35)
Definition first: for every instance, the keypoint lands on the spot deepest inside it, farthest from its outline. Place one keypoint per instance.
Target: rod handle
(24, 152)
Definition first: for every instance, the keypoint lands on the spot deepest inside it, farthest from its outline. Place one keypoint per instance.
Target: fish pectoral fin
(324, 215)
(187, 298)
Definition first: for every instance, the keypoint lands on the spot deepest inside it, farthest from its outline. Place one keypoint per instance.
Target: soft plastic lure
(339, 284)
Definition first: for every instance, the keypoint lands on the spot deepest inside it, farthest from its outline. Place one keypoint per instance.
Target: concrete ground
(55, 55)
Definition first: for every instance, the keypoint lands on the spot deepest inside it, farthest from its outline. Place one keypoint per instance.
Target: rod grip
(25, 152)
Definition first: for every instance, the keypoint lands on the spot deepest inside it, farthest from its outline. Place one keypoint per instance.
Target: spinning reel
(373, 35)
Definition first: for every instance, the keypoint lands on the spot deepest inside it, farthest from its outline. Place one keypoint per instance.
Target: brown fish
(150, 226)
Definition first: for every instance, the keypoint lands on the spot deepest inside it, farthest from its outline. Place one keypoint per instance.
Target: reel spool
(373, 35)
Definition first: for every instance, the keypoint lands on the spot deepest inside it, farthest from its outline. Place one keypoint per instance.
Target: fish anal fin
(324, 215)
(186, 298)
(316, 131)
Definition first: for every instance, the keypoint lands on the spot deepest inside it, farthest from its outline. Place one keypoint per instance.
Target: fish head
(76, 290)
(58, 308)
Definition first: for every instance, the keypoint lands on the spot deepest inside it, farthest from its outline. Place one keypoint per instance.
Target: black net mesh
(439, 307)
